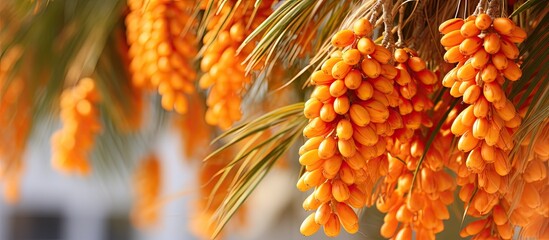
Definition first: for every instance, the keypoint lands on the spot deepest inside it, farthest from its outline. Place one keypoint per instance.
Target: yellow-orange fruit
(466, 72)
(500, 61)
(481, 107)
(365, 136)
(353, 79)
(389, 226)
(505, 231)
(322, 93)
(453, 55)
(509, 49)
(467, 142)
(492, 43)
(493, 92)
(366, 46)
(507, 112)
(416, 64)
(340, 70)
(401, 55)
(404, 234)
(312, 108)
(450, 25)
(327, 148)
(481, 127)
(499, 215)
(381, 54)
(347, 217)
(452, 38)
(310, 144)
(309, 226)
(327, 112)
(450, 78)
(323, 213)
(474, 228)
(382, 85)
(480, 58)
(347, 148)
(332, 226)
(332, 165)
(518, 35)
(342, 105)
(362, 27)
(489, 73)
(512, 72)
(320, 78)
(503, 25)
(470, 45)
(371, 67)
(359, 115)
(535, 171)
(344, 129)
(378, 112)
(483, 21)
(389, 71)
(469, 29)
(472, 93)
(340, 190)
(343, 38)
(365, 91)
(351, 56)
(329, 64)
(338, 88)
(403, 77)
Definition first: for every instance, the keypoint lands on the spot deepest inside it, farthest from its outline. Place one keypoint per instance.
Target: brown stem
(400, 42)
(480, 7)
(388, 39)
(493, 9)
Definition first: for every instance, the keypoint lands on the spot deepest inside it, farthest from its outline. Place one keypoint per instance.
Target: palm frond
(534, 82)
(258, 152)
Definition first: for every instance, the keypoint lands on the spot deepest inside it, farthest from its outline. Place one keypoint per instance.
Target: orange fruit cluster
(15, 123)
(350, 116)
(422, 210)
(524, 202)
(485, 51)
(147, 188)
(195, 133)
(80, 124)
(224, 73)
(208, 202)
(161, 50)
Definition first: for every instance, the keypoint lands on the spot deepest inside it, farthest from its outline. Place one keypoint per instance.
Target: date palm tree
(404, 108)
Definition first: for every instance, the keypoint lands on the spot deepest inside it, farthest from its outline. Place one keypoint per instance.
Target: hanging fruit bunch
(147, 188)
(224, 73)
(484, 48)
(349, 115)
(15, 123)
(80, 118)
(162, 43)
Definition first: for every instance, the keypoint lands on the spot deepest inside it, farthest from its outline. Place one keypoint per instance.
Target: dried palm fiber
(224, 73)
(80, 124)
(162, 46)
(15, 123)
(195, 132)
(485, 51)
(349, 120)
(147, 189)
(211, 195)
